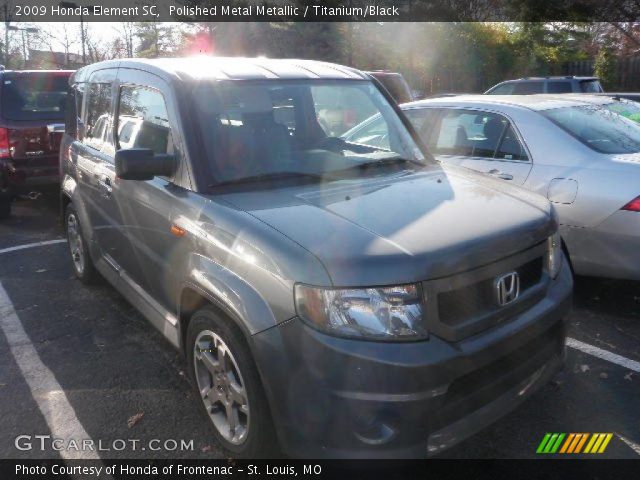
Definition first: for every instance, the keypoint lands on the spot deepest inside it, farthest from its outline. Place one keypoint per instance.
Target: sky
(104, 31)
(100, 31)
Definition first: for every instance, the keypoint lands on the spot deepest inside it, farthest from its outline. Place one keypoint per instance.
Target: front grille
(462, 304)
(487, 383)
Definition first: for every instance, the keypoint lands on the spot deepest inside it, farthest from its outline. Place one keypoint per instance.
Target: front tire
(82, 264)
(229, 386)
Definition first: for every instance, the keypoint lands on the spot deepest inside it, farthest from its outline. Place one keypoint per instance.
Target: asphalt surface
(124, 381)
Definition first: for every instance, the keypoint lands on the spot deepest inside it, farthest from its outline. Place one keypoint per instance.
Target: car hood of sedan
(403, 227)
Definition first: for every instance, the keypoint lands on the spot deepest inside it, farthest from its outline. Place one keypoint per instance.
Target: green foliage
(606, 66)
(155, 39)
(454, 56)
(543, 48)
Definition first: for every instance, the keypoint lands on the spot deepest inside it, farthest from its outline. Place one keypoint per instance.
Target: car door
(94, 154)
(145, 118)
(477, 139)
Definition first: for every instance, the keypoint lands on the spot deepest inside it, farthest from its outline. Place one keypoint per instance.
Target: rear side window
(34, 96)
(590, 86)
(98, 115)
(143, 121)
(559, 87)
(510, 147)
(504, 89)
(74, 108)
(528, 88)
(477, 134)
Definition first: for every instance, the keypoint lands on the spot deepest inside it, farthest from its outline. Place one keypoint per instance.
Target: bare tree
(62, 36)
(97, 50)
(127, 33)
(630, 31)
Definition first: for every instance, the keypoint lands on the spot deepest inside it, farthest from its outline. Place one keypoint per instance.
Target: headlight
(554, 255)
(390, 313)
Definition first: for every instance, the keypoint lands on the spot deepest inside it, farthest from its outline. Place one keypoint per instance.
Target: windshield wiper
(265, 177)
(384, 162)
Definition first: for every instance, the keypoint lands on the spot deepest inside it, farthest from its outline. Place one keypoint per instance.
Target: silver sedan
(582, 156)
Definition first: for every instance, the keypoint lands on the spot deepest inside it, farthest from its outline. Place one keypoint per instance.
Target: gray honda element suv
(345, 299)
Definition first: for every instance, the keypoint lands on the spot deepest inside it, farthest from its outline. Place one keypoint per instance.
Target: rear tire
(228, 385)
(5, 208)
(81, 259)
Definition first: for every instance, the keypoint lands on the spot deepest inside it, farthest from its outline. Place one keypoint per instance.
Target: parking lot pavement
(112, 366)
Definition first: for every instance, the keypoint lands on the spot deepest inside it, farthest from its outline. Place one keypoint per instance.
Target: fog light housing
(554, 255)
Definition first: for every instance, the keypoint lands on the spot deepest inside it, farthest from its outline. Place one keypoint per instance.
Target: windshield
(599, 128)
(253, 129)
(34, 96)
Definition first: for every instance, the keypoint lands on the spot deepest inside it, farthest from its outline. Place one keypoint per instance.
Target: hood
(406, 227)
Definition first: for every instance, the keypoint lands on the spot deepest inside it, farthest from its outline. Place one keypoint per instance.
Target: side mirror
(142, 164)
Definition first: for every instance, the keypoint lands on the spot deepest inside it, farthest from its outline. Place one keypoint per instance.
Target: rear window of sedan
(590, 86)
(599, 128)
(34, 95)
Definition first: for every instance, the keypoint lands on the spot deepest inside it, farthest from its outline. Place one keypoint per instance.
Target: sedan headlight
(388, 313)
(554, 255)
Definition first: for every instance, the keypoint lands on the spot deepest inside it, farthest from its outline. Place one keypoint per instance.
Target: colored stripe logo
(574, 443)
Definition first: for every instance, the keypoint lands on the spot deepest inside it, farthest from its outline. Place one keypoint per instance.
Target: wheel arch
(67, 191)
(192, 298)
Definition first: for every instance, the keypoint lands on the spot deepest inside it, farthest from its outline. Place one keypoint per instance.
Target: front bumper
(608, 250)
(338, 398)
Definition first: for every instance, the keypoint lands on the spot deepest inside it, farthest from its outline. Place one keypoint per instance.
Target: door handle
(105, 184)
(498, 174)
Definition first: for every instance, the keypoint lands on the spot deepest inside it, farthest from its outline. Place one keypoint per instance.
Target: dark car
(534, 85)
(336, 298)
(32, 111)
(395, 84)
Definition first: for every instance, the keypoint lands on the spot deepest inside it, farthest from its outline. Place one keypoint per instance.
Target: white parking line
(604, 354)
(632, 445)
(32, 245)
(45, 389)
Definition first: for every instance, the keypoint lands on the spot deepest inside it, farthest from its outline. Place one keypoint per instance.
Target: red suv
(32, 110)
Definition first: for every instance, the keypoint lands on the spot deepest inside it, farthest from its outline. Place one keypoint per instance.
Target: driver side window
(143, 121)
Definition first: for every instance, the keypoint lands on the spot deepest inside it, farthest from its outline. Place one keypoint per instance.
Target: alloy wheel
(221, 387)
(75, 243)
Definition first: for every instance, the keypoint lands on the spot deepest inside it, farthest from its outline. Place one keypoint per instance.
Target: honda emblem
(507, 288)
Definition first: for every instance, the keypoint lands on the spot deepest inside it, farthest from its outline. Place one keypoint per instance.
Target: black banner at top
(320, 10)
